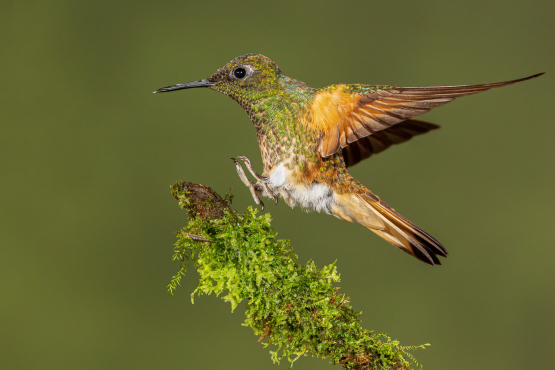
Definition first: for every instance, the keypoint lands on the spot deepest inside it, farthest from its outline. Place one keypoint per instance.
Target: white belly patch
(315, 197)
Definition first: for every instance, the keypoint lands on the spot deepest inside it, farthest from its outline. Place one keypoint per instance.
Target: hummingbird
(308, 137)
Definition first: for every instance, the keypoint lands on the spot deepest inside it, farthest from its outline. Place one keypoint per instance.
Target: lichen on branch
(296, 308)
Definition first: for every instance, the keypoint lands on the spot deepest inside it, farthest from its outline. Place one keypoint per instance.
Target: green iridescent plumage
(308, 137)
(277, 104)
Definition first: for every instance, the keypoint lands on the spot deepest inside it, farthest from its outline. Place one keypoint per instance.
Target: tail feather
(404, 234)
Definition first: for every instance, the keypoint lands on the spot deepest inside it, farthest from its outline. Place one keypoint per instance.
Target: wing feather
(379, 141)
(365, 114)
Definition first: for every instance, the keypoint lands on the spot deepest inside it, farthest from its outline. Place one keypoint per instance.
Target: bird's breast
(312, 196)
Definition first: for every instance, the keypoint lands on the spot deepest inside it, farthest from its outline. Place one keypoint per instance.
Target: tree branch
(293, 305)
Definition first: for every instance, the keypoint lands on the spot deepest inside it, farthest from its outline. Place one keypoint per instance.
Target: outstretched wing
(380, 141)
(347, 113)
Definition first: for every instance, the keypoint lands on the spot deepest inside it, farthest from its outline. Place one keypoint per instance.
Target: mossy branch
(295, 306)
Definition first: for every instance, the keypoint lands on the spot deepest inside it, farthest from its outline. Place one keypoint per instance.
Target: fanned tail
(404, 234)
(369, 210)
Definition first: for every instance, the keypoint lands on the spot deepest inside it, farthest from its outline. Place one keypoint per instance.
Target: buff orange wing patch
(347, 113)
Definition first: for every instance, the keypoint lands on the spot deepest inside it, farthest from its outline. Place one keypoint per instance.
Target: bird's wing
(380, 141)
(346, 113)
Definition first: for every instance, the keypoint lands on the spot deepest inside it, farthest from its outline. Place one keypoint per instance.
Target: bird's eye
(240, 72)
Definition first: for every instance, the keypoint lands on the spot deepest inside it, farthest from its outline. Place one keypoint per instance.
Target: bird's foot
(260, 187)
(263, 181)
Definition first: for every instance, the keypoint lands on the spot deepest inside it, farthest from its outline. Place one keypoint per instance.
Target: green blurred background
(88, 154)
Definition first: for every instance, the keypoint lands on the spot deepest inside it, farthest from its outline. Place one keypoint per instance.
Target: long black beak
(188, 85)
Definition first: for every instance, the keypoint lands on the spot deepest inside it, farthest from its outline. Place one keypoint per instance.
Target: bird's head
(245, 79)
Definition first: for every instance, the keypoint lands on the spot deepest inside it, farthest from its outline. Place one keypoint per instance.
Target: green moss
(295, 308)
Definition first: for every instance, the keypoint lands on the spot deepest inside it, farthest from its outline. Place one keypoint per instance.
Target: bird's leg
(263, 181)
(254, 188)
(258, 188)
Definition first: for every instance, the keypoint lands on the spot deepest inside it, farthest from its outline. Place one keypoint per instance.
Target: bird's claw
(260, 187)
(263, 181)
(248, 183)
